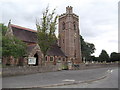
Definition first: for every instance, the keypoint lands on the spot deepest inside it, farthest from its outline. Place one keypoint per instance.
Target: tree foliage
(114, 57)
(11, 46)
(86, 49)
(104, 56)
(46, 30)
(93, 58)
(1, 26)
(3, 29)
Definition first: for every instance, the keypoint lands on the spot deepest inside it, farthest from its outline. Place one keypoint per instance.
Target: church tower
(69, 38)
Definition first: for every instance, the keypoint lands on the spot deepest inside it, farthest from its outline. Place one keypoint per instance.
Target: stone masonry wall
(12, 71)
(20, 70)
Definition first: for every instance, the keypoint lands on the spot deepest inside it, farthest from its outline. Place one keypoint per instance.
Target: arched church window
(63, 26)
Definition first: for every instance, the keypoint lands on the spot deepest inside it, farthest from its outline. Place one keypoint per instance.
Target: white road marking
(109, 71)
(68, 80)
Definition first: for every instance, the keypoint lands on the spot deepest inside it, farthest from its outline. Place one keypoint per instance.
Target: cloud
(99, 25)
(98, 18)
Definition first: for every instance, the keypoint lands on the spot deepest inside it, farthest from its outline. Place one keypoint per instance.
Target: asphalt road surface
(61, 77)
(110, 81)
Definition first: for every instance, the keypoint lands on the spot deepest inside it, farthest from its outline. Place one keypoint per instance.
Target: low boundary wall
(23, 70)
(90, 66)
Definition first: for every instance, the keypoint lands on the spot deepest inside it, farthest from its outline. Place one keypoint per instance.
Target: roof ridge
(32, 44)
(24, 28)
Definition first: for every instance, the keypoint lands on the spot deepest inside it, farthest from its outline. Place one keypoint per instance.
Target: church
(67, 49)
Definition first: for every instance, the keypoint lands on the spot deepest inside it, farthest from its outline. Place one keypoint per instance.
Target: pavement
(55, 79)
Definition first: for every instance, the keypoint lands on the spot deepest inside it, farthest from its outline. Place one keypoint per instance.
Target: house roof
(55, 51)
(24, 34)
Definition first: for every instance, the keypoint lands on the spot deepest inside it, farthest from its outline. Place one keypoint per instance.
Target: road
(110, 81)
(64, 77)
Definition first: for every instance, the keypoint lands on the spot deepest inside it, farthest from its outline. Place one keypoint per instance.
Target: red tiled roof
(24, 34)
(23, 28)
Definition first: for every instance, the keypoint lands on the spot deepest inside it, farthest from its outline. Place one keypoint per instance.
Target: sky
(98, 18)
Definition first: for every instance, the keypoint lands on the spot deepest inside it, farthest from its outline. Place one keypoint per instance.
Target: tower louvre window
(74, 40)
(63, 26)
(75, 54)
(63, 40)
(74, 25)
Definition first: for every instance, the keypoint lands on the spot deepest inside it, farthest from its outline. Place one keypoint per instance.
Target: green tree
(86, 49)
(114, 57)
(46, 31)
(3, 29)
(11, 46)
(103, 56)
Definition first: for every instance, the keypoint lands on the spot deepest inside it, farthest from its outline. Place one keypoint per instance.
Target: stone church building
(67, 49)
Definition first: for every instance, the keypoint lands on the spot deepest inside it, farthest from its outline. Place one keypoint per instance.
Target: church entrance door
(37, 61)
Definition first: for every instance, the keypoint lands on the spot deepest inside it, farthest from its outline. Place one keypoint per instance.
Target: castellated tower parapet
(69, 10)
